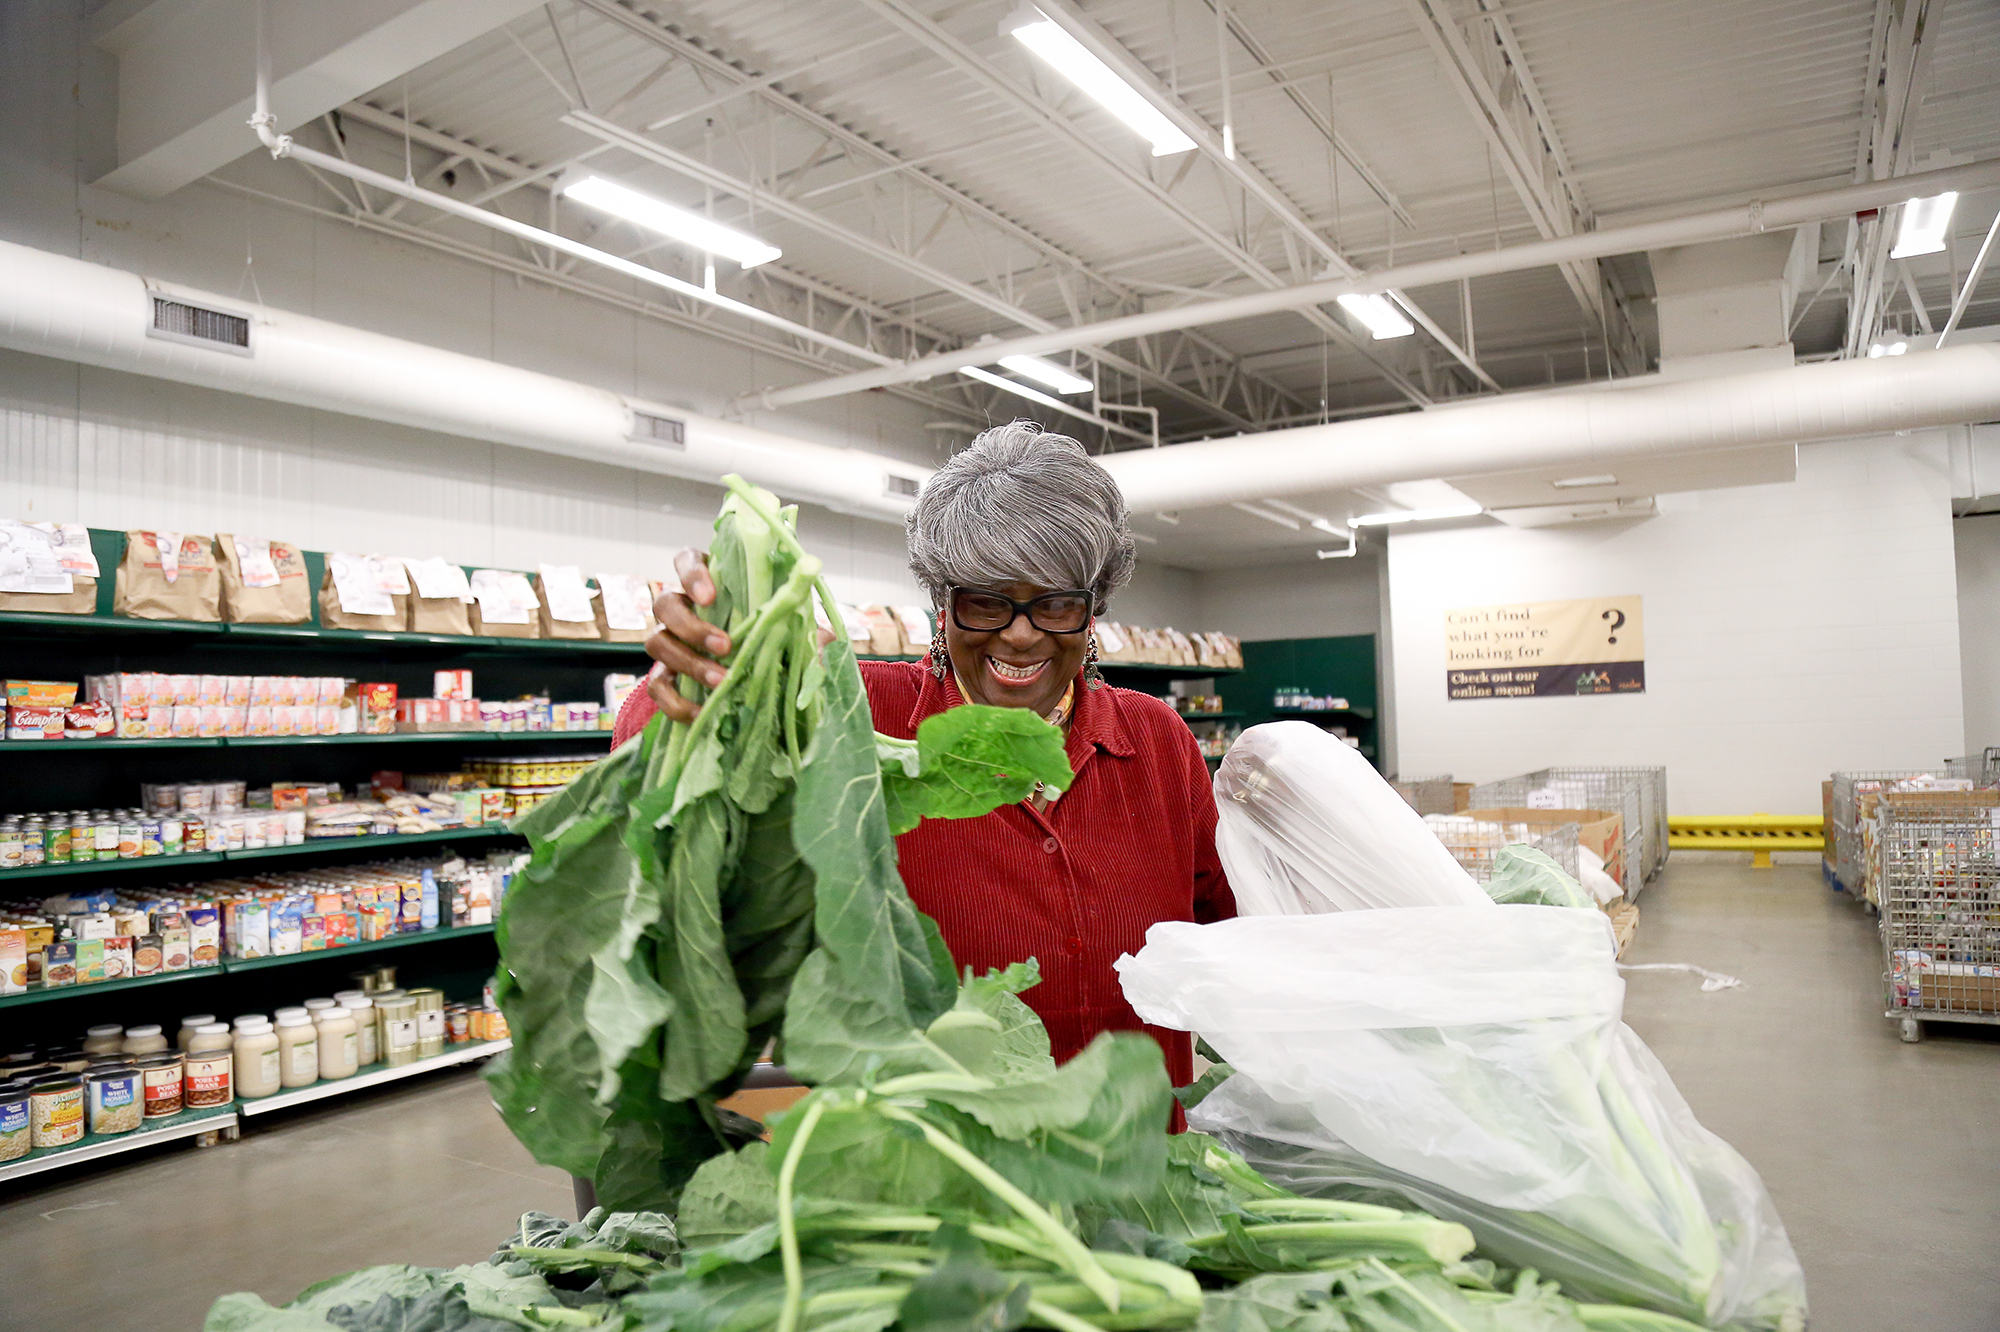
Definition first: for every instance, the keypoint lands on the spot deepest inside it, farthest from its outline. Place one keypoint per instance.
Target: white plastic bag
(1305, 824)
(1472, 1061)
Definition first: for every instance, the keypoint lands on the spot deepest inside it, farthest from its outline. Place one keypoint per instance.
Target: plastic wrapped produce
(1471, 1061)
(1306, 825)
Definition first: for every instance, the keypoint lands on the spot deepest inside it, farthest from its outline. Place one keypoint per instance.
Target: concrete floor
(1882, 1156)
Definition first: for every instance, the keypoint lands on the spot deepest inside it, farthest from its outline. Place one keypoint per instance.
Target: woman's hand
(686, 644)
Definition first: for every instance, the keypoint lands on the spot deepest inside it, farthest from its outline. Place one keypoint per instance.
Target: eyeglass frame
(1020, 608)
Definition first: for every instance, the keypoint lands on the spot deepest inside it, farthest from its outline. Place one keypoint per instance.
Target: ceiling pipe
(53, 305)
(1583, 427)
(1718, 224)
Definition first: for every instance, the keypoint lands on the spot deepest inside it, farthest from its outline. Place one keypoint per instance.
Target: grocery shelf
(40, 994)
(101, 623)
(1367, 714)
(186, 1124)
(229, 966)
(1156, 668)
(1209, 716)
(372, 1076)
(232, 965)
(95, 746)
(251, 634)
(108, 866)
(387, 841)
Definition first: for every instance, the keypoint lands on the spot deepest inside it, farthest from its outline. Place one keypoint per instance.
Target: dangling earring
(940, 656)
(1091, 676)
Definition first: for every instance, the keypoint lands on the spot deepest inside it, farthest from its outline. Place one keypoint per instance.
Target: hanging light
(1379, 314)
(1071, 59)
(1047, 372)
(1925, 222)
(670, 220)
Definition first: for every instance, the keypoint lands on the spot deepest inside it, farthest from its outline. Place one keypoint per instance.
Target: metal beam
(1234, 164)
(1718, 224)
(1899, 62)
(1522, 136)
(927, 33)
(708, 61)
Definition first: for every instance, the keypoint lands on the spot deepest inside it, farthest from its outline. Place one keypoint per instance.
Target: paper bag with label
(440, 597)
(363, 592)
(624, 608)
(563, 602)
(168, 576)
(47, 568)
(263, 582)
(504, 605)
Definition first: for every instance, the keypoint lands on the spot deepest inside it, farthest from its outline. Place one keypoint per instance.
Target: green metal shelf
(1209, 716)
(120, 746)
(117, 623)
(108, 866)
(41, 994)
(267, 741)
(1366, 714)
(384, 842)
(232, 965)
(186, 1124)
(280, 633)
(229, 966)
(1155, 668)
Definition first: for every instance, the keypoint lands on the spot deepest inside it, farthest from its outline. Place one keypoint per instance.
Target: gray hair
(1020, 504)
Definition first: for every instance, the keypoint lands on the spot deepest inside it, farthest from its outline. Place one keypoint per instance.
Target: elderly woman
(1020, 541)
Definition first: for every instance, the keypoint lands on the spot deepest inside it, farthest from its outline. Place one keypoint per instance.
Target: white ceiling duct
(1586, 428)
(53, 305)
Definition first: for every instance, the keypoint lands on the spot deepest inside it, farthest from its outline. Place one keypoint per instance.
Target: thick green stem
(1416, 1296)
(790, 540)
(1078, 1259)
(788, 1228)
(1061, 1318)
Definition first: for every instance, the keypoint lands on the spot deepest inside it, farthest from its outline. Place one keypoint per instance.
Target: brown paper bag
(885, 635)
(331, 616)
(553, 628)
(143, 591)
(532, 629)
(81, 599)
(289, 601)
(439, 615)
(604, 629)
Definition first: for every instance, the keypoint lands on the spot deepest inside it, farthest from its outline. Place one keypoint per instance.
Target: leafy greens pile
(717, 884)
(680, 891)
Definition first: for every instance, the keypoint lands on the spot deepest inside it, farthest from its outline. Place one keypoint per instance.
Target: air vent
(178, 321)
(662, 430)
(902, 487)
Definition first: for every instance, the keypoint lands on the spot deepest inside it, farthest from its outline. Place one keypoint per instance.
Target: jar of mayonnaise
(145, 1040)
(339, 1044)
(298, 1049)
(256, 1059)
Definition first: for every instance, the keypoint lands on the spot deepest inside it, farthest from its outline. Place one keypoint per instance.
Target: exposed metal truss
(1899, 58)
(928, 33)
(1085, 292)
(1492, 76)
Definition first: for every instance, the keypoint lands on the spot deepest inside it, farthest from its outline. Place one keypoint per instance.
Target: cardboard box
(377, 705)
(1602, 830)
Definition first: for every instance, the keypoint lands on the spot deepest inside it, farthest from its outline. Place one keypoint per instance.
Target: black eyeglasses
(980, 612)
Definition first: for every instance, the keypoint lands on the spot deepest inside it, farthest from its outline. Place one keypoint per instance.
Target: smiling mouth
(1015, 676)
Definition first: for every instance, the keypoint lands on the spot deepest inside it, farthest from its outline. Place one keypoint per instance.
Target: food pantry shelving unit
(41, 775)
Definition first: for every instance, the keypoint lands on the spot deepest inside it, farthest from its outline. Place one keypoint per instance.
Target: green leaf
(492, 1292)
(872, 976)
(1286, 1302)
(970, 760)
(965, 1292)
(730, 1194)
(246, 1312)
(706, 1035)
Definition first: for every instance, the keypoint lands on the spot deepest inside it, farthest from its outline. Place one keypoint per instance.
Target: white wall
(1323, 599)
(1977, 543)
(1791, 630)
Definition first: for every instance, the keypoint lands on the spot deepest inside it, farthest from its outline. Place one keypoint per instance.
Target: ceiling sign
(1545, 649)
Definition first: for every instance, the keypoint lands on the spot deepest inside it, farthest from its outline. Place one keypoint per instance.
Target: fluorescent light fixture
(1069, 58)
(1925, 222)
(1380, 314)
(1887, 349)
(1416, 515)
(1582, 482)
(671, 221)
(1047, 372)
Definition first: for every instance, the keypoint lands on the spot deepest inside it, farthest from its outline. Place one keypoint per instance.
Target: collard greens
(682, 890)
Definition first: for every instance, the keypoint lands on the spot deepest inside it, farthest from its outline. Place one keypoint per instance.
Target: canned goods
(55, 1111)
(82, 841)
(13, 851)
(161, 1076)
(56, 844)
(458, 1025)
(399, 1031)
(171, 835)
(115, 1102)
(128, 840)
(150, 843)
(430, 1021)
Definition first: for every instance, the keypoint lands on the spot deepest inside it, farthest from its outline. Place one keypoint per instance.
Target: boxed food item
(13, 959)
(375, 708)
(168, 576)
(40, 693)
(59, 963)
(173, 943)
(451, 684)
(204, 925)
(89, 961)
(118, 957)
(32, 723)
(148, 955)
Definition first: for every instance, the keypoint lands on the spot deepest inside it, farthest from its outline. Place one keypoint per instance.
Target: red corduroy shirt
(1131, 843)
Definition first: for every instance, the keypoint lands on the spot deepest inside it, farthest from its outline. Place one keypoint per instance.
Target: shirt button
(1049, 845)
(1075, 944)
